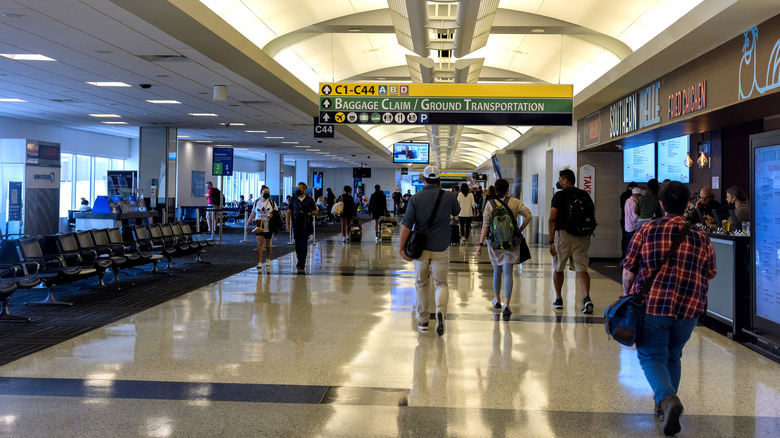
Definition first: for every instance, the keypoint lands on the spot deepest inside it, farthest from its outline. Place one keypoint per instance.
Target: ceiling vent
(165, 58)
(255, 102)
(65, 100)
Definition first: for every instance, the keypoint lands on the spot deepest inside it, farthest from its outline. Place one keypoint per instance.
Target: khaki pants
(437, 265)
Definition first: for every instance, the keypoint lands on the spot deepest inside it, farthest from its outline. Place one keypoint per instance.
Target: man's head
(347, 189)
(431, 175)
(241, 197)
(566, 177)
(674, 197)
(209, 185)
(631, 185)
(502, 187)
(377, 187)
(706, 194)
(302, 187)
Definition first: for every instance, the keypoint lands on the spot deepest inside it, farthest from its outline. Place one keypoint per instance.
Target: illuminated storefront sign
(688, 100)
(636, 111)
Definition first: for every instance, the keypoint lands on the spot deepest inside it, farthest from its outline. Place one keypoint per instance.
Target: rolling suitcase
(388, 220)
(386, 232)
(355, 231)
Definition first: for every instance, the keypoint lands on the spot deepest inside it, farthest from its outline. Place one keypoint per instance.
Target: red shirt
(680, 289)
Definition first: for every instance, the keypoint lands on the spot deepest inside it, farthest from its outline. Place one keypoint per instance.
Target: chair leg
(50, 300)
(6, 316)
(100, 282)
(200, 260)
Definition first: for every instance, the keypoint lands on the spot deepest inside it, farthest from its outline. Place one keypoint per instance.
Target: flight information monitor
(639, 163)
(407, 152)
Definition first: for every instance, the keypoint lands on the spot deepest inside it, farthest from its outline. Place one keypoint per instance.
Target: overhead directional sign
(222, 160)
(322, 131)
(446, 104)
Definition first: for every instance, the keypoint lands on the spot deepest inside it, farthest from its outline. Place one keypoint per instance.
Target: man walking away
(377, 205)
(303, 211)
(676, 300)
(435, 258)
(571, 224)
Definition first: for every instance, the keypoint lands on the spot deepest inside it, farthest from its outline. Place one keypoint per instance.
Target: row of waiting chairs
(69, 257)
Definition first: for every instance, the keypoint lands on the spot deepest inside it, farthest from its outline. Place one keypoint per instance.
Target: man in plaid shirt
(676, 299)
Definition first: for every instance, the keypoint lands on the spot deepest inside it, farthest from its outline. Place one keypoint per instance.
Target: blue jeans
(659, 348)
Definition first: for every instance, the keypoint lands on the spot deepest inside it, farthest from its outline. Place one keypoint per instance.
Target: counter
(89, 221)
(729, 296)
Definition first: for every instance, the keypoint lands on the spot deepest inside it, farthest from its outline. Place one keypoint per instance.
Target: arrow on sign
(326, 90)
(325, 117)
(326, 103)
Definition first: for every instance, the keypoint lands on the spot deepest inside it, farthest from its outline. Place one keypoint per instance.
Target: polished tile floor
(335, 353)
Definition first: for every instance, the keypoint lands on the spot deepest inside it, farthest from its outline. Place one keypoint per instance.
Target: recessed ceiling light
(183, 136)
(11, 100)
(115, 123)
(537, 30)
(242, 149)
(381, 79)
(273, 138)
(302, 146)
(26, 57)
(203, 141)
(289, 142)
(312, 150)
(234, 124)
(105, 115)
(203, 114)
(320, 152)
(261, 132)
(355, 29)
(12, 15)
(374, 50)
(163, 101)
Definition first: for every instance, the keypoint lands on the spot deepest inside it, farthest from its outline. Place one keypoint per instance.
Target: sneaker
(343, 239)
(506, 311)
(587, 306)
(558, 304)
(422, 327)
(439, 323)
(496, 304)
(672, 408)
(260, 265)
(658, 412)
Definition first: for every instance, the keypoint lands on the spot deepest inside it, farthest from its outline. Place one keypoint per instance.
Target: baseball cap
(636, 191)
(431, 172)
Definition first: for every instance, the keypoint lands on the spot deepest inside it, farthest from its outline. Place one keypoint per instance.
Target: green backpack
(504, 234)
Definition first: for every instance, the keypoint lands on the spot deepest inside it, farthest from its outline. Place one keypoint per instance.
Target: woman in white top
(261, 210)
(467, 211)
(503, 260)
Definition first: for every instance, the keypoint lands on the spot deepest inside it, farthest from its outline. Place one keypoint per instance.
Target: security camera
(319, 141)
(368, 157)
(227, 124)
(145, 86)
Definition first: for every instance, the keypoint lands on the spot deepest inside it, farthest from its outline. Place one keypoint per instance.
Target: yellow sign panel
(446, 90)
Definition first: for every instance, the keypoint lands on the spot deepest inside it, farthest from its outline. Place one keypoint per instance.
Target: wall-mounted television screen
(671, 159)
(639, 163)
(407, 152)
(361, 172)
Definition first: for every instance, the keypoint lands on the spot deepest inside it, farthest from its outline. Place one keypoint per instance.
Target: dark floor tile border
(201, 391)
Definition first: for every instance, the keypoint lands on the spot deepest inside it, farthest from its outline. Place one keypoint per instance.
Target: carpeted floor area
(609, 268)
(96, 307)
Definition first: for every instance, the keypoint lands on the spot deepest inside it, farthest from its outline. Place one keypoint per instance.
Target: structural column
(302, 173)
(274, 165)
(154, 168)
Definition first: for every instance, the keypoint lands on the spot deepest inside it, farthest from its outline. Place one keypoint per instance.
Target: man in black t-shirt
(396, 201)
(303, 211)
(565, 246)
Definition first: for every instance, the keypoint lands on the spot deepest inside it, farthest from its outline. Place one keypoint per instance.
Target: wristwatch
(481, 244)
(552, 242)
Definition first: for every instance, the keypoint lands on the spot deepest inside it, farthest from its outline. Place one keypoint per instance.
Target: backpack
(581, 219)
(503, 227)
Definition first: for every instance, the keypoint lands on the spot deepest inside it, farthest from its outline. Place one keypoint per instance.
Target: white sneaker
(260, 265)
(343, 239)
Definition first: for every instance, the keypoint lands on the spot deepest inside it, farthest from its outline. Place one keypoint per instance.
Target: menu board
(766, 231)
(671, 159)
(639, 163)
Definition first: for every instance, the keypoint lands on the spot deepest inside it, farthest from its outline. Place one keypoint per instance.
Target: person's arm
(636, 207)
(628, 281)
(525, 212)
(551, 229)
(485, 228)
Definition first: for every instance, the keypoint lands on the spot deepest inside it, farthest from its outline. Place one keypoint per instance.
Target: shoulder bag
(416, 243)
(623, 318)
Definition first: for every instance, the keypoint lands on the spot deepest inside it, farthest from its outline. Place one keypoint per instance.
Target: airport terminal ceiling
(272, 55)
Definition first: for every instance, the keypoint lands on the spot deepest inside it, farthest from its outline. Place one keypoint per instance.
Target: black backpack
(581, 219)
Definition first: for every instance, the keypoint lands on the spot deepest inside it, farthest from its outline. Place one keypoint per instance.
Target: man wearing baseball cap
(435, 259)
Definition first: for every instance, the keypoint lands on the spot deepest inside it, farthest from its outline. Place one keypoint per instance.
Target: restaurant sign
(689, 99)
(637, 111)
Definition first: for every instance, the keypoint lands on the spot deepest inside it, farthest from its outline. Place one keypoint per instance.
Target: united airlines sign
(637, 111)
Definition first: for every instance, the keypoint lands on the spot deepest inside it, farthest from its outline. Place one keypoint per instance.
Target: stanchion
(246, 224)
(197, 222)
(220, 226)
(314, 232)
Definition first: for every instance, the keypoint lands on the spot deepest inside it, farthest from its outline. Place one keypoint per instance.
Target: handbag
(338, 208)
(275, 219)
(416, 243)
(525, 253)
(623, 318)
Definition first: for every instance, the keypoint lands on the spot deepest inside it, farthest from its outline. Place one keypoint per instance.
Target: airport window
(242, 183)
(84, 176)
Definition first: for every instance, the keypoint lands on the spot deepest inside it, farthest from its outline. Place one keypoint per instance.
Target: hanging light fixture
(688, 160)
(702, 160)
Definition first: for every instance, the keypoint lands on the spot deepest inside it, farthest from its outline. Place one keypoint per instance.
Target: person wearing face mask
(303, 211)
(262, 210)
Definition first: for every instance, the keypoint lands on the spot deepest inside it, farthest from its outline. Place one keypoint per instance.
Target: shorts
(265, 235)
(210, 214)
(571, 247)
